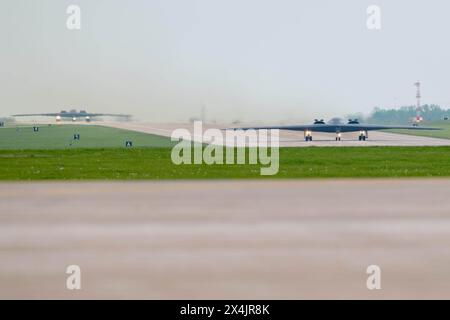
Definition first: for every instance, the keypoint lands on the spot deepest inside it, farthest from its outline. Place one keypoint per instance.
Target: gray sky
(264, 60)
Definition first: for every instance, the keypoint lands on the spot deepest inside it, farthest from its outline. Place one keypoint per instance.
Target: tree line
(406, 114)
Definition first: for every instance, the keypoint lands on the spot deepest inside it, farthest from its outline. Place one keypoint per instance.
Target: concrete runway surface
(226, 239)
(295, 138)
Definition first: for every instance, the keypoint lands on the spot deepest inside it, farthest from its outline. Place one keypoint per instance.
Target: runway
(293, 138)
(226, 239)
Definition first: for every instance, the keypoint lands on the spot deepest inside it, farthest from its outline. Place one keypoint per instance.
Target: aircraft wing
(36, 114)
(336, 127)
(368, 127)
(288, 127)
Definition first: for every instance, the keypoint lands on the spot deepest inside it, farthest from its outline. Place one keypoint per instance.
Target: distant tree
(7, 119)
(406, 114)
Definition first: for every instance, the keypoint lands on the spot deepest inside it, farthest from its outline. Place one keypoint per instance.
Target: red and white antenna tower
(419, 117)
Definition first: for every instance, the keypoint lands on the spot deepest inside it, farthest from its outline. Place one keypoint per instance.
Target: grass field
(62, 137)
(155, 163)
(443, 134)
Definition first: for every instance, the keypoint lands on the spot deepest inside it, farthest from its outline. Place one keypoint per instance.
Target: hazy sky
(269, 60)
